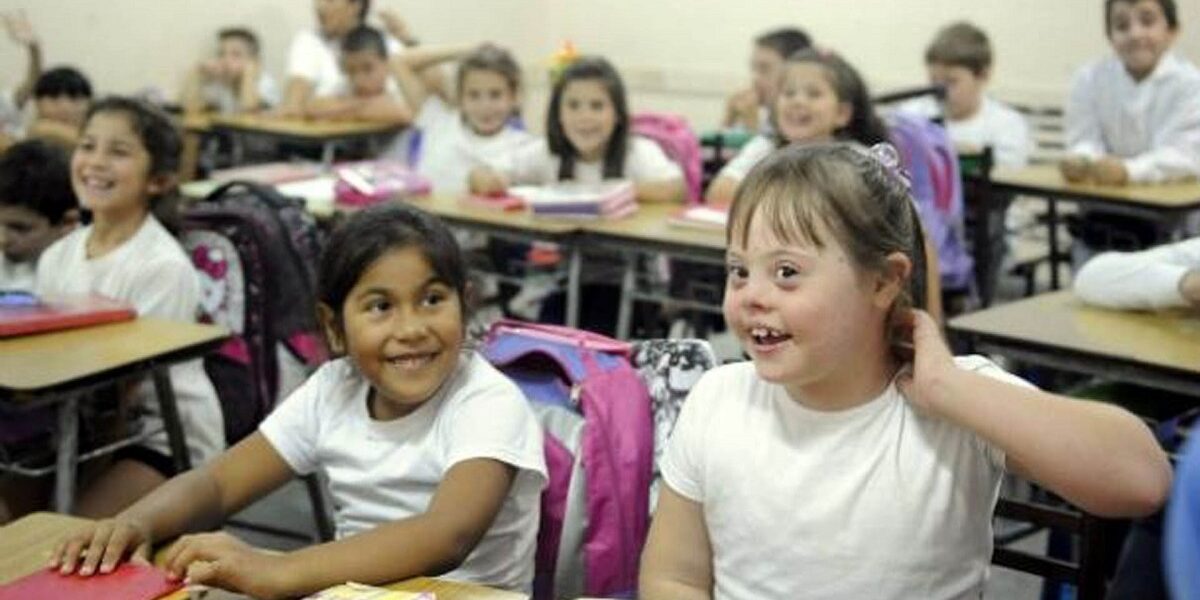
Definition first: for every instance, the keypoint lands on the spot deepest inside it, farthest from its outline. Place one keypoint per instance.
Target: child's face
(803, 314)
(765, 65)
(110, 168)
(234, 54)
(588, 117)
(367, 72)
(337, 17)
(1140, 34)
(403, 328)
(964, 89)
(25, 233)
(64, 109)
(807, 108)
(487, 100)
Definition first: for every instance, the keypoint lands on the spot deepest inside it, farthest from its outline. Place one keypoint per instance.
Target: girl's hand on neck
(923, 380)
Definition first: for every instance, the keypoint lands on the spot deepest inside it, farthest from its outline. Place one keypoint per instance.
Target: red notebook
(128, 582)
(22, 314)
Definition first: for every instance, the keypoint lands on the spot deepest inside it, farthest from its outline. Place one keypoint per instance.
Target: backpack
(595, 412)
(673, 134)
(255, 253)
(932, 164)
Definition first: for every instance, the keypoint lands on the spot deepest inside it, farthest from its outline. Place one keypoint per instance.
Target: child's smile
(110, 167)
(588, 117)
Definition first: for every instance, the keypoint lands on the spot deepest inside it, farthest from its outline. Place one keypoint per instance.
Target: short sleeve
(751, 154)
(304, 57)
(433, 114)
(166, 288)
(983, 366)
(294, 426)
(649, 162)
(493, 421)
(683, 461)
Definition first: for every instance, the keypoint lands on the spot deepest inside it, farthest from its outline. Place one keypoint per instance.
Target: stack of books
(605, 200)
(369, 182)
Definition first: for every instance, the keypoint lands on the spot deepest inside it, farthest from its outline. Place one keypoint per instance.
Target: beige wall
(679, 55)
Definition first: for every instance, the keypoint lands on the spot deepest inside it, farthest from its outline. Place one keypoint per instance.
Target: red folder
(129, 581)
(51, 314)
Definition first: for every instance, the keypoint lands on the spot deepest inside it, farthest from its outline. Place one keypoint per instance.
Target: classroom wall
(678, 55)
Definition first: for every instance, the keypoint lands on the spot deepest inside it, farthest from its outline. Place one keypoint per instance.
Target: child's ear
(331, 325)
(892, 279)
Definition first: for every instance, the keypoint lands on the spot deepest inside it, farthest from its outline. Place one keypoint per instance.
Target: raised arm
(407, 66)
(20, 30)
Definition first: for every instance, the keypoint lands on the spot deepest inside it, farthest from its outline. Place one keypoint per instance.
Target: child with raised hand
(866, 460)
(820, 98)
(123, 170)
(476, 129)
(433, 457)
(12, 120)
(588, 140)
(370, 93)
(232, 82)
(750, 108)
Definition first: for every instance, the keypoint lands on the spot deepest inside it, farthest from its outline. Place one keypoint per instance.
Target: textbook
(708, 218)
(23, 313)
(358, 591)
(128, 581)
(608, 199)
(372, 181)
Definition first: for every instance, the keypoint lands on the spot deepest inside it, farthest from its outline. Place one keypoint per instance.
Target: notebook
(22, 313)
(358, 591)
(369, 182)
(609, 199)
(128, 581)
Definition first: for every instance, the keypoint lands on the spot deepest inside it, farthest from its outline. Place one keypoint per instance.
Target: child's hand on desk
(223, 561)
(1189, 288)
(1110, 171)
(1075, 168)
(100, 546)
(484, 181)
(921, 380)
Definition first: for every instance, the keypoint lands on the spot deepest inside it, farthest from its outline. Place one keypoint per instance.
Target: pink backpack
(595, 412)
(678, 141)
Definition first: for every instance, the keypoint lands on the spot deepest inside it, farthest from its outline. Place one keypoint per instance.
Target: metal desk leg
(68, 447)
(573, 285)
(1052, 221)
(327, 155)
(170, 416)
(625, 311)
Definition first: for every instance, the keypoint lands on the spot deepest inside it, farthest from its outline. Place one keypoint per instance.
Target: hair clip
(562, 58)
(887, 156)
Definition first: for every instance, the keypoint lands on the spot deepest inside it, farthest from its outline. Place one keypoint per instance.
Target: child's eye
(736, 272)
(573, 104)
(597, 105)
(786, 272)
(378, 306)
(433, 299)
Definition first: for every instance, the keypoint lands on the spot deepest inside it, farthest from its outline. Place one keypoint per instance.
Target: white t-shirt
(1138, 280)
(995, 124)
(758, 148)
(17, 275)
(877, 501)
(450, 149)
(384, 471)
(645, 161)
(225, 98)
(316, 58)
(1154, 124)
(151, 272)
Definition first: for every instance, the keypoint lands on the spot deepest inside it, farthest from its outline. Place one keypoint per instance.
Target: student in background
(477, 129)
(370, 93)
(749, 109)
(1133, 117)
(960, 60)
(588, 140)
(1164, 277)
(821, 98)
(233, 81)
(12, 104)
(61, 98)
(37, 207)
(866, 460)
(123, 168)
(434, 457)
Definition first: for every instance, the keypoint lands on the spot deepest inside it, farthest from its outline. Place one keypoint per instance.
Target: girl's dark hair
(598, 69)
(839, 188)
(492, 58)
(162, 141)
(370, 233)
(865, 126)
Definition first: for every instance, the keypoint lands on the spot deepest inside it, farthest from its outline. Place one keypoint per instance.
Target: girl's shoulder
(982, 365)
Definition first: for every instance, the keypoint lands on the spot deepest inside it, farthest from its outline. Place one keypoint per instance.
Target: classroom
(600, 299)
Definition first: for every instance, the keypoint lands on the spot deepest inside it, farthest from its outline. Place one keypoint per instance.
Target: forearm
(192, 97)
(331, 108)
(1189, 287)
(721, 191)
(653, 588)
(32, 71)
(390, 111)
(659, 192)
(1095, 455)
(296, 96)
(411, 84)
(249, 99)
(421, 58)
(186, 503)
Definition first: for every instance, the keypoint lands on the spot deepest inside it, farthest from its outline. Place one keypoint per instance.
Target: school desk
(1154, 349)
(1165, 204)
(25, 546)
(63, 367)
(327, 134)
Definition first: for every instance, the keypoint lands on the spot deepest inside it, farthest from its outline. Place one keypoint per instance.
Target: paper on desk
(358, 591)
(317, 193)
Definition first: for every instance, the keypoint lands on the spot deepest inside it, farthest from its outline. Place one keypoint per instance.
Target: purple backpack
(932, 164)
(679, 142)
(595, 412)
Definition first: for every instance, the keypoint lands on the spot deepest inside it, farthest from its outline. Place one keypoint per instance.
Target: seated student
(588, 140)
(853, 456)
(61, 98)
(960, 59)
(370, 93)
(474, 130)
(434, 458)
(1133, 117)
(37, 207)
(123, 169)
(1164, 277)
(232, 82)
(12, 119)
(750, 108)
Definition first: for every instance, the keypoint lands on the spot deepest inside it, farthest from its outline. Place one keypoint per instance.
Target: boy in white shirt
(233, 81)
(37, 207)
(1164, 277)
(369, 92)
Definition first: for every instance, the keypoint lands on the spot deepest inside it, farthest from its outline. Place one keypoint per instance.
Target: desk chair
(984, 218)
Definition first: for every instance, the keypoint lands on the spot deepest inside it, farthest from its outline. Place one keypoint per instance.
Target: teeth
(411, 361)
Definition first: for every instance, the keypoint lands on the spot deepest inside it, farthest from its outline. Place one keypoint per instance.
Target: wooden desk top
(25, 546)
(300, 128)
(1060, 321)
(454, 209)
(650, 225)
(1045, 179)
(34, 363)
